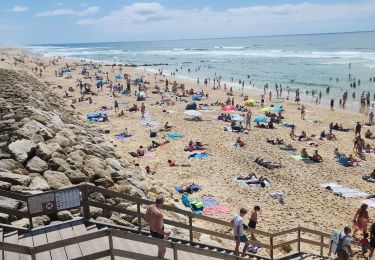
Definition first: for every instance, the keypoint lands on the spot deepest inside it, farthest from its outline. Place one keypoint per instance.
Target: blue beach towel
(187, 203)
(368, 178)
(198, 156)
(122, 136)
(209, 202)
(175, 135)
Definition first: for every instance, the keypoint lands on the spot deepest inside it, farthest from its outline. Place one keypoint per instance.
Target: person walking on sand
(344, 245)
(361, 219)
(303, 112)
(239, 233)
(155, 219)
(358, 128)
(248, 120)
(116, 106)
(143, 110)
(332, 104)
(253, 221)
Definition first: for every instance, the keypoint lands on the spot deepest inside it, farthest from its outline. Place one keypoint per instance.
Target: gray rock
(59, 164)
(97, 196)
(35, 131)
(5, 185)
(10, 165)
(36, 164)
(114, 164)
(9, 203)
(61, 140)
(95, 212)
(38, 183)
(133, 208)
(45, 151)
(24, 222)
(4, 218)
(15, 179)
(76, 176)
(64, 215)
(56, 180)
(21, 149)
(41, 221)
(120, 221)
(105, 182)
(105, 220)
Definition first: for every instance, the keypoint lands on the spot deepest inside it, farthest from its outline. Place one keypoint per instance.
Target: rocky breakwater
(45, 145)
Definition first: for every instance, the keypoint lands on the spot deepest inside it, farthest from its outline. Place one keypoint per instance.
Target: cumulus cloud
(19, 9)
(68, 11)
(259, 19)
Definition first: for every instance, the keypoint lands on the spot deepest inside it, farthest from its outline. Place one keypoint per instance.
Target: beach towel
(288, 148)
(368, 178)
(96, 115)
(343, 191)
(209, 202)
(150, 123)
(369, 202)
(215, 209)
(198, 156)
(188, 203)
(149, 155)
(174, 135)
(288, 125)
(122, 136)
(298, 157)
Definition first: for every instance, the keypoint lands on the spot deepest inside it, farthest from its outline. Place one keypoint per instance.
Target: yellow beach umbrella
(266, 109)
(250, 103)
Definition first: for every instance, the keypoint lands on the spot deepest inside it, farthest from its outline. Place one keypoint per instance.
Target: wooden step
(11, 237)
(66, 232)
(26, 240)
(53, 235)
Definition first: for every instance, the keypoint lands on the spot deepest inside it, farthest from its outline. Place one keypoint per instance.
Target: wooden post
(139, 217)
(33, 254)
(110, 238)
(191, 227)
(271, 248)
(175, 252)
(85, 202)
(299, 240)
(321, 245)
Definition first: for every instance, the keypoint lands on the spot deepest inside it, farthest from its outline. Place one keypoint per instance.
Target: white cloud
(68, 11)
(19, 9)
(261, 19)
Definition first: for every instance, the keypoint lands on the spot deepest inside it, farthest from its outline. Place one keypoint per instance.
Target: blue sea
(306, 62)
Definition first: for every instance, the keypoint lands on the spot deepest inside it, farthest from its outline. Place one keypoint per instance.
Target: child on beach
(364, 243)
(254, 220)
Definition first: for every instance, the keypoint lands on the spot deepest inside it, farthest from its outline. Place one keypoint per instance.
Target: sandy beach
(307, 203)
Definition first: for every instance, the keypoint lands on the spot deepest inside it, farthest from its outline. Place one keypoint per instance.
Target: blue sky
(69, 21)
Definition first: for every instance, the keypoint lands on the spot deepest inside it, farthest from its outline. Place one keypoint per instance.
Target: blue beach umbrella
(197, 97)
(260, 119)
(278, 101)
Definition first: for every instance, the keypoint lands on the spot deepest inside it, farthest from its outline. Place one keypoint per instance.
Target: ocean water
(306, 62)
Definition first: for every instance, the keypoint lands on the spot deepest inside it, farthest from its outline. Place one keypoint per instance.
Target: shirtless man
(155, 219)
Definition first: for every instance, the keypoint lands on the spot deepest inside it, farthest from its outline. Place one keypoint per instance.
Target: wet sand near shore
(306, 202)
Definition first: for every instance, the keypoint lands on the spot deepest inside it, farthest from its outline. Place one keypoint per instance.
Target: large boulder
(21, 149)
(9, 203)
(64, 215)
(36, 164)
(5, 185)
(56, 180)
(75, 176)
(35, 131)
(115, 164)
(15, 179)
(38, 183)
(59, 164)
(45, 151)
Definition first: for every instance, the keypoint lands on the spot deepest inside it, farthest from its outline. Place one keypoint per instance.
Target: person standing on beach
(154, 217)
(303, 112)
(358, 128)
(371, 117)
(116, 106)
(361, 219)
(332, 104)
(143, 110)
(239, 233)
(344, 245)
(254, 220)
(248, 120)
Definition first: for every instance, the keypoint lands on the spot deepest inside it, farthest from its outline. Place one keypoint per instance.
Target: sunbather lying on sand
(155, 144)
(275, 141)
(268, 164)
(194, 146)
(172, 163)
(252, 179)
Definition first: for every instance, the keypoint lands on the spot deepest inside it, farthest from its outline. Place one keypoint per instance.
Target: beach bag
(340, 245)
(152, 134)
(197, 205)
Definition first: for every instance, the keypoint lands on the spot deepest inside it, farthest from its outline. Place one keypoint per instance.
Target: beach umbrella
(250, 103)
(192, 113)
(277, 109)
(236, 118)
(266, 109)
(278, 101)
(227, 108)
(260, 119)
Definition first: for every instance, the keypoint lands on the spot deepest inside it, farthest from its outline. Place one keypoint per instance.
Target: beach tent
(260, 119)
(191, 106)
(192, 113)
(250, 103)
(227, 108)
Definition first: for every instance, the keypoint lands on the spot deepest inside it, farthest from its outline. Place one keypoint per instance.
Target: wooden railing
(268, 240)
